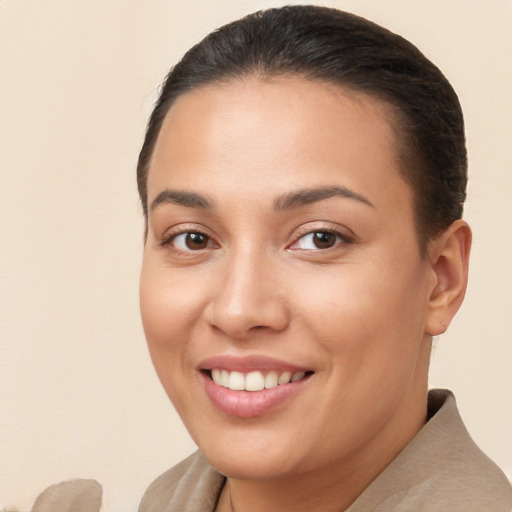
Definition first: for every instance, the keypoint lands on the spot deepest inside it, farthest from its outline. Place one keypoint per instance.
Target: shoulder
(191, 485)
(463, 477)
(441, 469)
(465, 480)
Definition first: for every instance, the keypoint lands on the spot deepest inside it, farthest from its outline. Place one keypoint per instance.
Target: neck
(336, 486)
(297, 494)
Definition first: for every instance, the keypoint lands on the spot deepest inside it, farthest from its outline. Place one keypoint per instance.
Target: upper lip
(249, 363)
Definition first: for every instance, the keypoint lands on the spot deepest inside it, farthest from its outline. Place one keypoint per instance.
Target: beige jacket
(441, 469)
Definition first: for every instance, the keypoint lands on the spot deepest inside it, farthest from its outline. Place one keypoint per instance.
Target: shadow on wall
(78, 495)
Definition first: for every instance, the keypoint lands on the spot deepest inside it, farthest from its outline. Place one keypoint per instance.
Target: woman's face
(281, 245)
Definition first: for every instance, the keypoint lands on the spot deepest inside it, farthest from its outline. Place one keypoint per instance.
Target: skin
(360, 313)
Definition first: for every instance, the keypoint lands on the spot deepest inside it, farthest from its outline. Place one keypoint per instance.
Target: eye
(318, 240)
(190, 241)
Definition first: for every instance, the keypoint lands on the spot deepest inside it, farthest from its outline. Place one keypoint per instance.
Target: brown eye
(191, 241)
(319, 240)
(196, 241)
(324, 239)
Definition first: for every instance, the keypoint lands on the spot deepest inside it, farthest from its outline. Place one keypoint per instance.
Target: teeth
(298, 376)
(216, 377)
(271, 379)
(236, 381)
(224, 378)
(284, 378)
(253, 381)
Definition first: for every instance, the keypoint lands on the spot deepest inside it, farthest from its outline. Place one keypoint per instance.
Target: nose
(249, 298)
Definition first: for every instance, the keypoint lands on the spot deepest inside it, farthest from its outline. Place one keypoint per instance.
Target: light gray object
(78, 495)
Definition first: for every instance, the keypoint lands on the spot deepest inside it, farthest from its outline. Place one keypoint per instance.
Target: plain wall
(78, 394)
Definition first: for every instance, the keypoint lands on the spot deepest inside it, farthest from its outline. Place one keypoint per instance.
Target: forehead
(285, 131)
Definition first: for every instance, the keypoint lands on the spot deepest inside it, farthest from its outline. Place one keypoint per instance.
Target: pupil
(196, 241)
(324, 240)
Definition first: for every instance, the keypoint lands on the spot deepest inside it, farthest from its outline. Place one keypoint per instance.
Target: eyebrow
(313, 195)
(182, 198)
(288, 201)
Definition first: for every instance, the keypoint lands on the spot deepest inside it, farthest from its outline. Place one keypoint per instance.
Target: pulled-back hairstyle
(328, 45)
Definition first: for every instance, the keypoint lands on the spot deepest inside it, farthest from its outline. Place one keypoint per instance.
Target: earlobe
(449, 258)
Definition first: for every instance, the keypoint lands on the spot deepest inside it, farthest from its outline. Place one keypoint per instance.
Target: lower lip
(250, 404)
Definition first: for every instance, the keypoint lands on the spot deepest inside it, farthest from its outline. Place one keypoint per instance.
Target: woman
(302, 179)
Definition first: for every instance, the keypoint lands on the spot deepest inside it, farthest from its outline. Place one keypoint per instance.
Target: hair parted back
(328, 45)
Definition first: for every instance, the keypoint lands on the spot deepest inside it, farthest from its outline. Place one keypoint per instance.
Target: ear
(449, 258)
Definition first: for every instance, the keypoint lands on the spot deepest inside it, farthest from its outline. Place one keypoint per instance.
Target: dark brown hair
(328, 45)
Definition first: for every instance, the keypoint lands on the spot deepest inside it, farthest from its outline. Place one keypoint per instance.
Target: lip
(250, 404)
(249, 363)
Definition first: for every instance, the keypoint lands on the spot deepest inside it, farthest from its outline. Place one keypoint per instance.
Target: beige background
(77, 80)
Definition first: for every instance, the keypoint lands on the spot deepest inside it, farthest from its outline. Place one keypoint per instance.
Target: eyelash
(167, 240)
(341, 239)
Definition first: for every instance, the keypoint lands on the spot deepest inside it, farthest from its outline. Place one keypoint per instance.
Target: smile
(254, 380)
(251, 386)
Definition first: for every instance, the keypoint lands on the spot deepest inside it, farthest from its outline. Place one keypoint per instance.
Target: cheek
(367, 312)
(169, 302)
(166, 328)
(169, 310)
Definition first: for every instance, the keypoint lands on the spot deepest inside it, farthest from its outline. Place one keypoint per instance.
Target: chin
(250, 467)
(251, 454)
